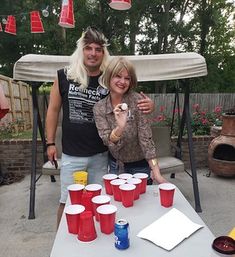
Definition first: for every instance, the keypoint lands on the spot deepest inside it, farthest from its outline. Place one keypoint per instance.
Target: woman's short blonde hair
(115, 66)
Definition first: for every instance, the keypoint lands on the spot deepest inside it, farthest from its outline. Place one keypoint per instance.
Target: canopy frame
(42, 68)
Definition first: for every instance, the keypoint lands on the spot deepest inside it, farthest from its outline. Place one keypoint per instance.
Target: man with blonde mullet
(76, 89)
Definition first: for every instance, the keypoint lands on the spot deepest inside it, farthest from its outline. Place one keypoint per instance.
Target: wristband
(50, 144)
(114, 137)
(154, 162)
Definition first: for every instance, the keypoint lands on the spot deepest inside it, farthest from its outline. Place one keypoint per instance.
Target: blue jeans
(96, 166)
(132, 168)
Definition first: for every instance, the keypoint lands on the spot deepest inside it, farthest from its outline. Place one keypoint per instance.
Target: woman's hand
(156, 174)
(120, 116)
(159, 178)
(146, 105)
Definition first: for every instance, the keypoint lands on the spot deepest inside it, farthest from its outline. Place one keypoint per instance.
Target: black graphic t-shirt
(79, 133)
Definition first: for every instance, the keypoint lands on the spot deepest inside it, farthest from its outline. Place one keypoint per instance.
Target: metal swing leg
(191, 151)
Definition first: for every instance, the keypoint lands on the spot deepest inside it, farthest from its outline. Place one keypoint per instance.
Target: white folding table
(146, 210)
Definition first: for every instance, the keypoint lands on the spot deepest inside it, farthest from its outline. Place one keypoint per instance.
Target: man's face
(93, 56)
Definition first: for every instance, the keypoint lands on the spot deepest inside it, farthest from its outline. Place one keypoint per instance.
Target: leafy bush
(12, 129)
(45, 88)
(201, 120)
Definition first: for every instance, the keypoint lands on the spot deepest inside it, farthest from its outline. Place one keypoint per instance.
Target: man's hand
(146, 105)
(52, 154)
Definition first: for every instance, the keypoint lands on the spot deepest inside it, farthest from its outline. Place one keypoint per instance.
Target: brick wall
(200, 144)
(15, 155)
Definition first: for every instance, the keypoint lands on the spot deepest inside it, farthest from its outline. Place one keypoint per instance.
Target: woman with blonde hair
(122, 126)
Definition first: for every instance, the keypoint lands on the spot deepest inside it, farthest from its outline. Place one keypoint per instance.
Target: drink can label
(121, 232)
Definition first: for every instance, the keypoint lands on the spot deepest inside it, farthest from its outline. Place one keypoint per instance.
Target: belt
(140, 163)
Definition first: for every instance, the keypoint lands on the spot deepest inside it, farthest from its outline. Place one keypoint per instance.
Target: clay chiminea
(221, 151)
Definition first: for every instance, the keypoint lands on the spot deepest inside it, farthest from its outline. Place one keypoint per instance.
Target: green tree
(148, 27)
(216, 44)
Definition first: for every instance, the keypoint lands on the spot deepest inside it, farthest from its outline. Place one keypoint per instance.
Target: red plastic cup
(115, 188)
(107, 179)
(125, 175)
(98, 201)
(144, 178)
(72, 213)
(127, 193)
(166, 191)
(86, 230)
(75, 193)
(95, 189)
(137, 183)
(86, 201)
(107, 214)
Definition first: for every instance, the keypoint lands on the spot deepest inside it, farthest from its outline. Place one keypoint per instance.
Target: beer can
(121, 232)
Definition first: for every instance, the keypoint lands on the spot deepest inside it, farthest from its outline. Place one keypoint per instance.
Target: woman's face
(120, 82)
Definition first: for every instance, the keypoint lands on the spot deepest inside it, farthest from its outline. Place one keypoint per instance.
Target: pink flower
(177, 111)
(204, 121)
(162, 108)
(218, 109)
(196, 106)
(160, 118)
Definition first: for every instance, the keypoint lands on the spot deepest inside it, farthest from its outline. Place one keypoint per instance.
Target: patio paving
(22, 237)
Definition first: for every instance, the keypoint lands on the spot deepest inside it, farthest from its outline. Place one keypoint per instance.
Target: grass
(20, 135)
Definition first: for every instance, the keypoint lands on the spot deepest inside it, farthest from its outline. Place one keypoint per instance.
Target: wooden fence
(206, 102)
(19, 98)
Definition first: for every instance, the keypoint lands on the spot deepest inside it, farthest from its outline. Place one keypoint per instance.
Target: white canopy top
(33, 67)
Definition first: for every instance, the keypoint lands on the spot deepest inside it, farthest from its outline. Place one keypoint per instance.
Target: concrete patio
(22, 237)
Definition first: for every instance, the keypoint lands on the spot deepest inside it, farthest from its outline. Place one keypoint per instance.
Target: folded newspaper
(169, 230)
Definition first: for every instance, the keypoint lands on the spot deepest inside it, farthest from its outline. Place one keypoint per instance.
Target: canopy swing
(36, 69)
